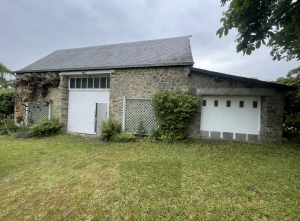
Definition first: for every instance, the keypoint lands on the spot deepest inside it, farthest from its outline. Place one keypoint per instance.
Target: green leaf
(220, 32)
(248, 51)
(226, 31)
(258, 44)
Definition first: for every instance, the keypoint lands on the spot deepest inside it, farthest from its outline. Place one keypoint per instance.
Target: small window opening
(78, 82)
(216, 103)
(72, 83)
(90, 82)
(254, 104)
(241, 103)
(96, 83)
(204, 103)
(228, 103)
(84, 82)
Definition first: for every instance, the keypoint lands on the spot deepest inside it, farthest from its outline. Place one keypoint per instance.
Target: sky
(32, 29)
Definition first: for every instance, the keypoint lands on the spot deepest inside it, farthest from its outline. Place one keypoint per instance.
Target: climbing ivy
(173, 111)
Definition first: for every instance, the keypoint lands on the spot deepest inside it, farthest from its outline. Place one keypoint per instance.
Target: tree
(274, 23)
(291, 120)
(4, 83)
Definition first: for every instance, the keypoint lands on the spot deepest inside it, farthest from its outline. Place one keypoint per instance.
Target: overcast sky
(32, 29)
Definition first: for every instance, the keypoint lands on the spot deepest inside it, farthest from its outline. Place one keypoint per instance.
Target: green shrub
(6, 102)
(8, 126)
(291, 117)
(123, 137)
(173, 111)
(45, 128)
(108, 128)
(141, 129)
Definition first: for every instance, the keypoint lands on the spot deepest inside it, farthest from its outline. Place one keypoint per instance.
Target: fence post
(124, 110)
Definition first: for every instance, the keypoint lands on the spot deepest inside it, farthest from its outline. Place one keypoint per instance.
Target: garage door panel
(230, 120)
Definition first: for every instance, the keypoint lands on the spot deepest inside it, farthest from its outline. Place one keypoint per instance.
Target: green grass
(72, 178)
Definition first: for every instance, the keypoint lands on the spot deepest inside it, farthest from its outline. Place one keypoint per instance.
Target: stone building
(96, 81)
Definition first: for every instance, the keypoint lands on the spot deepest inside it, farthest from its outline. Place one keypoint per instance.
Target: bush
(108, 128)
(123, 137)
(8, 126)
(291, 120)
(6, 102)
(173, 110)
(45, 128)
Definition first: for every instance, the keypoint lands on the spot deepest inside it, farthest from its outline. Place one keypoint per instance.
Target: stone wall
(271, 127)
(144, 82)
(59, 97)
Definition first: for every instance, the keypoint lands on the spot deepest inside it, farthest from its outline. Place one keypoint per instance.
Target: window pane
(103, 82)
(228, 103)
(90, 82)
(241, 103)
(96, 83)
(204, 103)
(254, 104)
(84, 82)
(216, 103)
(72, 82)
(78, 82)
(108, 82)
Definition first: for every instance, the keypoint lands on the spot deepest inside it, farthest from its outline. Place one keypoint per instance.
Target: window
(72, 83)
(228, 103)
(241, 103)
(254, 104)
(204, 103)
(215, 103)
(96, 83)
(90, 83)
(84, 82)
(78, 82)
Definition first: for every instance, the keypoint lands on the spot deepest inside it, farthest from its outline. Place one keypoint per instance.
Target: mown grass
(72, 178)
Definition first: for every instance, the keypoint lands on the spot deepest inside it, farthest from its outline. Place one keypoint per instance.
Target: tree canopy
(274, 23)
(4, 83)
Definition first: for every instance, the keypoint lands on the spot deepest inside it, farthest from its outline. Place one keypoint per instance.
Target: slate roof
(160, 52)
(248, 81)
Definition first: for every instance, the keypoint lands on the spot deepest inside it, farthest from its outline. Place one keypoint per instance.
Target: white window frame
(87, 77)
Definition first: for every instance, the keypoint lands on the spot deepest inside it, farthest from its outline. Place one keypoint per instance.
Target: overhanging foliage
(274, 23)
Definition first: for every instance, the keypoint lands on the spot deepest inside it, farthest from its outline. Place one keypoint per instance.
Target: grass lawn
(72, 178)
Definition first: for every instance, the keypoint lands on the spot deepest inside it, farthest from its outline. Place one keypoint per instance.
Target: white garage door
(230, 117)
(81, 110)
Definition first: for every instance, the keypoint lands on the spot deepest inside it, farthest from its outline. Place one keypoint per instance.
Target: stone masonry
(144, 82)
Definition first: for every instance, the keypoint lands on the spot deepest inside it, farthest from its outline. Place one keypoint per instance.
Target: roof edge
(245, 79)
(108, 67)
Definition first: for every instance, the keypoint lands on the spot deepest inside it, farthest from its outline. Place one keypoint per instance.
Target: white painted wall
(231, 119)
(81, 110)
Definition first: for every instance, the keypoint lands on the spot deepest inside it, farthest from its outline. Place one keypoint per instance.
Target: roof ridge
(122, 43)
